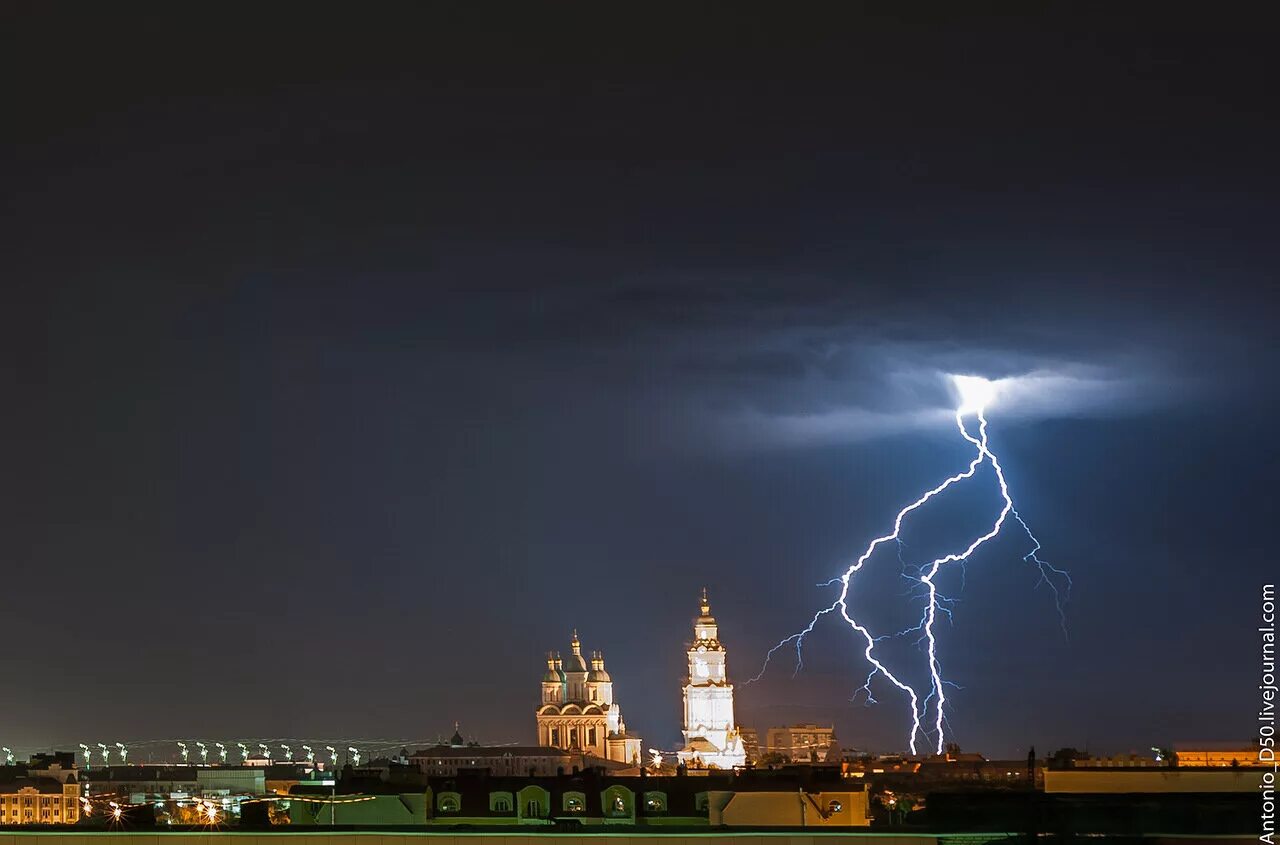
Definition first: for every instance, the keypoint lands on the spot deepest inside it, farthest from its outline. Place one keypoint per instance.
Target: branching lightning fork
(975, 394)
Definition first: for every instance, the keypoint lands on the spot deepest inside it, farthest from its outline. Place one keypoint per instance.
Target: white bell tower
(710, 736)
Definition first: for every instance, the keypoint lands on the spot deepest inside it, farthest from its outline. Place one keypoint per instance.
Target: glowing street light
(288, 752)
(333, 755)
(88, 755)
(8, 755)
(182, 752)
(311, 755)
(355, 755)
(204, 753)
(124, 752)
(222, 752)
(266, 752)
(244, 751)
(106, 753)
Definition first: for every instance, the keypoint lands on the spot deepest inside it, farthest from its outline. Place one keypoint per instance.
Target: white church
(711, 738)
(578, 713)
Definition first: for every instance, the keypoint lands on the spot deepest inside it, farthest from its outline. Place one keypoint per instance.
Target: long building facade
(42, 793)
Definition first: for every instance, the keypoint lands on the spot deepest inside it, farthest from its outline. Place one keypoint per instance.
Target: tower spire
(711, 736)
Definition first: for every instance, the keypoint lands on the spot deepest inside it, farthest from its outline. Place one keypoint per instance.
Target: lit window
(574, 804)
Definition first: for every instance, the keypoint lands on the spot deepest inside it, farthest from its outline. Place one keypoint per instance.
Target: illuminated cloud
(918, 399)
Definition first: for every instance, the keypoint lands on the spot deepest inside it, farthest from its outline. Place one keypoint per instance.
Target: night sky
(353, 359)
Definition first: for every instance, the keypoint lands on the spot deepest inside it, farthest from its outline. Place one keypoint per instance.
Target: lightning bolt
(935, 602)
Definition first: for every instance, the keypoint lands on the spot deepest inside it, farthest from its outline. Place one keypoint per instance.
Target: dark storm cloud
(760, 361)
(384, 341)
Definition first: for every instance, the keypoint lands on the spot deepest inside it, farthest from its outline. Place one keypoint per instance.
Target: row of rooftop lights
(104, 751)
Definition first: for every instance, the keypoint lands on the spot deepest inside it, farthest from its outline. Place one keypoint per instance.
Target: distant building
(1148, 781)
(750, 743)
(457, 756)
(1118, 761)
(974, 770)
(803, 743)
(39, 794)
(497, 759)
(577, 712)
(138, 784)
(711, 738)
(1226, 757)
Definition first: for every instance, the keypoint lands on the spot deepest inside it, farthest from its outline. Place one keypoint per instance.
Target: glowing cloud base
(975, 395)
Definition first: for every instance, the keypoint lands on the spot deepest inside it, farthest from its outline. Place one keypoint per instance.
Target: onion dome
(597, 674)
(705, 606)
(552, 675)
(575, 663)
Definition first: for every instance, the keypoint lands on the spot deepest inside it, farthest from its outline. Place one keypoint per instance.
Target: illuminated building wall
(1220, 757)
(710, 736)
(577, 712)
(39, 800)
(801, 743)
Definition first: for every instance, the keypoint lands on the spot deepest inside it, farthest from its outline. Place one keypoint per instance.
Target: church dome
(598, 675)
(553, 675)
(575, 663)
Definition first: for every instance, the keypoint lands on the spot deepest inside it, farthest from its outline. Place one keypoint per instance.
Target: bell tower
(710, 735)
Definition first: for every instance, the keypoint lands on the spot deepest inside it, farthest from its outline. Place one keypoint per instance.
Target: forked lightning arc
(975, 394)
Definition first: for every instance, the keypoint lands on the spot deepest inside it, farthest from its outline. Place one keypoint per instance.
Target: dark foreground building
(589, 799)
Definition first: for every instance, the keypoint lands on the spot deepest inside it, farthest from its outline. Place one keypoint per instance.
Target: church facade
(711, 738)
(577, 712)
